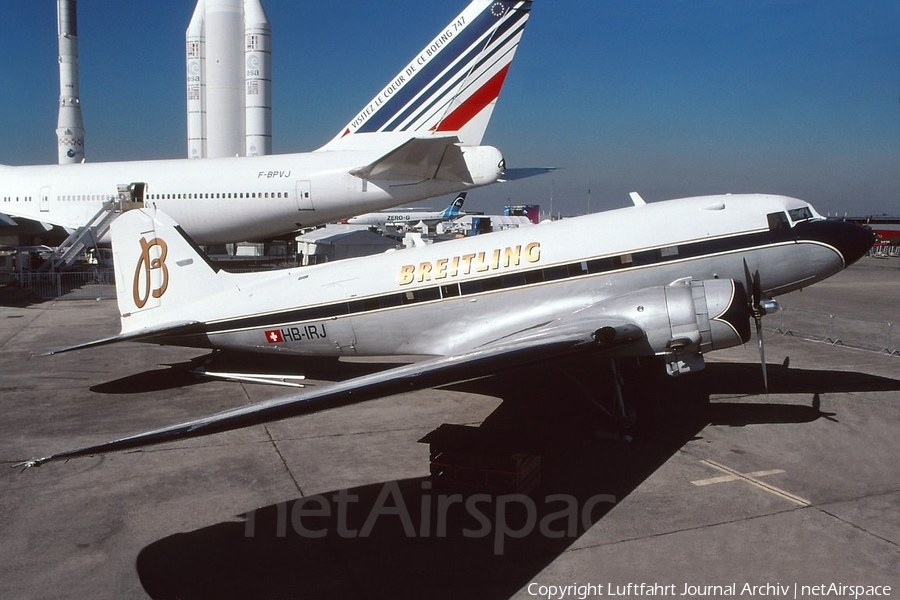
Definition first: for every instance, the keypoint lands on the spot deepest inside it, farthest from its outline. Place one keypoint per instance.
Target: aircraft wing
(555, 339)
(419, 159)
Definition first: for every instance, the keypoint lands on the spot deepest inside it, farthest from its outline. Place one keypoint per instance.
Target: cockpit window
(800, 214)
(778, 220)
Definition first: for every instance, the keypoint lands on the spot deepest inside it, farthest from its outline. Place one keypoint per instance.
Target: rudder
(453, 83)
(455, 206)
(159, 269)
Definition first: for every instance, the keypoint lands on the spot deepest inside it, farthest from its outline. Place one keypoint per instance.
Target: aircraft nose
(849, 239)
(853, 241)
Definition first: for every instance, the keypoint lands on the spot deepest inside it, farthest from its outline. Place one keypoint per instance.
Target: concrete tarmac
(718, 485)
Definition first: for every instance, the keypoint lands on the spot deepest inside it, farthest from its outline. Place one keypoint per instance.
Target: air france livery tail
(452, 85)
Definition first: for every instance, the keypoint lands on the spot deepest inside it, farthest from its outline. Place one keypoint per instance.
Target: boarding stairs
(90, 234)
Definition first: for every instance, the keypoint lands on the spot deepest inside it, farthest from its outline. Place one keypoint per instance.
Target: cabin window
(512, 280)
(577, 269)
(450, 291)
(492, 283)
(471, 287)
(554, 273)
(390, 301)
(624, 260)
(371, 304)
(536, 276)
(647, 257)
(669, 251)
(778, 221)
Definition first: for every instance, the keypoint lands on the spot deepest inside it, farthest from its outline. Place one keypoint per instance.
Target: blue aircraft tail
(455, 206)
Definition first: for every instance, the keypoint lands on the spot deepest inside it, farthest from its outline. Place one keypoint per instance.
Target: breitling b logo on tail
(142, 287)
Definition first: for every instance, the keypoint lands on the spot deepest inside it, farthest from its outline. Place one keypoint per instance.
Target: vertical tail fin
(452, 85)
(159, 270)
(455, 206)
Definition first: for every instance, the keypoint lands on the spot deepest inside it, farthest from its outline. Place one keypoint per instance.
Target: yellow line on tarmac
(727, 478)
(752, 479)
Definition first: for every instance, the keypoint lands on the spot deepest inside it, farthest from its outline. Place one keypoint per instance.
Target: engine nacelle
(683, 320)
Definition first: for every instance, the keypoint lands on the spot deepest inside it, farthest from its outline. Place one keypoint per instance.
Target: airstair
(129, 196)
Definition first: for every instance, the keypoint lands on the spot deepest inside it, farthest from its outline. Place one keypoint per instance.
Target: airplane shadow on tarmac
(390, 539)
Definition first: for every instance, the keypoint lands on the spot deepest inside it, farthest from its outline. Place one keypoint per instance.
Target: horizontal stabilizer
(420, 159)
(142, 335)
(524, 173)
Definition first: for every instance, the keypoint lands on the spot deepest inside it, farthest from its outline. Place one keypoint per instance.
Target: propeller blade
(748, 284)
(762, 353)
(754, 288)
(757, 291)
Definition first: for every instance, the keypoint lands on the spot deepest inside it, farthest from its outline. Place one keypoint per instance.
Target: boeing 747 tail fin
(452, 85)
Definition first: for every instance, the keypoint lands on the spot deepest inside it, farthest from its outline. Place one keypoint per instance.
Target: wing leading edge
(553, 340)
(672, 324)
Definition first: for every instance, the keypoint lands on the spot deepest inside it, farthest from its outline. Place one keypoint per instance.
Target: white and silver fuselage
(446, 297)
(229, 199)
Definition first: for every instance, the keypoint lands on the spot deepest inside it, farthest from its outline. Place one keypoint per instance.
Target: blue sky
(667, 97)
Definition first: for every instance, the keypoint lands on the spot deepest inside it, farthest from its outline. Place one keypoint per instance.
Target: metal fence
(817, 326)
(95, 284)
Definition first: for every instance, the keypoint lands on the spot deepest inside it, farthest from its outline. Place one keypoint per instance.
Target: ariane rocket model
(229, 80)
(69, 126)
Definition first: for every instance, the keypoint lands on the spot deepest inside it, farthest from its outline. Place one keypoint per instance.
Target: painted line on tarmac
(752, 479)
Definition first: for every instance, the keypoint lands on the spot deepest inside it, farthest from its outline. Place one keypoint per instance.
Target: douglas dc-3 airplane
(410, 217)
(418, 138)
(672, 280)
